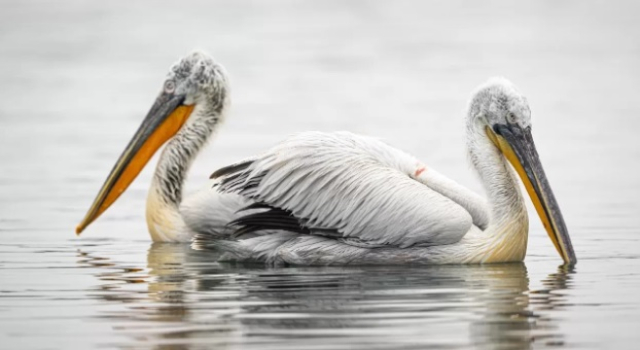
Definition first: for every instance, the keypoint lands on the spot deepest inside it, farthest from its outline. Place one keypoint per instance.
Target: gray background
(76, 78)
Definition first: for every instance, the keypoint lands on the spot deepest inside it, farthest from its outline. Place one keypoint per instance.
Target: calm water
(76, 78)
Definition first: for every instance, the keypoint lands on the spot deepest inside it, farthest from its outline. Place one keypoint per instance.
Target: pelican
(344, 199)
(188, 110)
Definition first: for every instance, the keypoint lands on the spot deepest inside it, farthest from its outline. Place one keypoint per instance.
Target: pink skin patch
(419, 171)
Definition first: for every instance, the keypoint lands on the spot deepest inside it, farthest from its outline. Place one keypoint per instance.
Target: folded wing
(352, 188)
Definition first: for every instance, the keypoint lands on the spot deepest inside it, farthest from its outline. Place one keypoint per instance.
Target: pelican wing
(350, 187)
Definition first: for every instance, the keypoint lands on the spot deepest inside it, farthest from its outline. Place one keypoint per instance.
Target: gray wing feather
(353, 184)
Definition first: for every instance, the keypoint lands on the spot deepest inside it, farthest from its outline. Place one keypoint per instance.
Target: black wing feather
(236, 168)
(269, 219)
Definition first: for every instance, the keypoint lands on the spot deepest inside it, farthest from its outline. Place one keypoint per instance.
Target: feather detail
(345, 183)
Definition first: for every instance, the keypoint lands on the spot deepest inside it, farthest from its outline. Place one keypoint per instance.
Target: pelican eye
(169, 86)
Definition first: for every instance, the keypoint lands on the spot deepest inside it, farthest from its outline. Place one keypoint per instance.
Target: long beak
(166, 117)
(517, 145)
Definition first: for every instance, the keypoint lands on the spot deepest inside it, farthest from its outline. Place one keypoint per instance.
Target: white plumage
(353, 184)
(360, 199)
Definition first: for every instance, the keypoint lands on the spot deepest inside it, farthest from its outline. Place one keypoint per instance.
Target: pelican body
(338, 198)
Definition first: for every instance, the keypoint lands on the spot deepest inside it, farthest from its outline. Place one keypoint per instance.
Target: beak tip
(570, 259)
(79, 230)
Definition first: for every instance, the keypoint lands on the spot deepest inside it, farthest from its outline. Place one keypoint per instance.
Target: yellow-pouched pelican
(339, 198)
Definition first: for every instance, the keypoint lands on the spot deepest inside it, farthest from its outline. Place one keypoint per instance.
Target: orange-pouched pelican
(339, 198)
(187, 111)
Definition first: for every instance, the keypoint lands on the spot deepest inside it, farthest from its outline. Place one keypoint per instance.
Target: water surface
(77, 77)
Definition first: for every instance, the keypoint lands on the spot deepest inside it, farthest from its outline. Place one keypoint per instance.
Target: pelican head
(192, 98)
(500, 117)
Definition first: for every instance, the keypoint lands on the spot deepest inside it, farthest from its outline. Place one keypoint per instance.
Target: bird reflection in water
(190, 300)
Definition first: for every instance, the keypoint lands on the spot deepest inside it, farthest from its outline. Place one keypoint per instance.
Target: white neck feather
(505, 239)
(164, 221)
